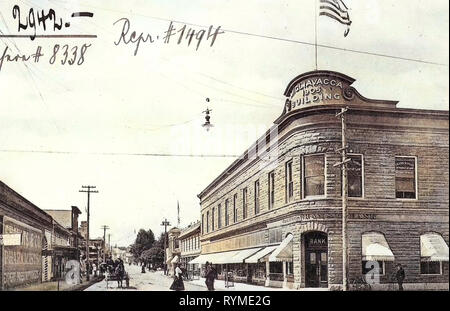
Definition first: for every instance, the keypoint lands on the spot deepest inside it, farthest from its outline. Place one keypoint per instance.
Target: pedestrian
(178, 283)
(211, 274)
(400, 276)
(94, 268)
(120, 272)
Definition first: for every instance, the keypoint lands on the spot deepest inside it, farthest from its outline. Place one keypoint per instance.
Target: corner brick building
(274, 216)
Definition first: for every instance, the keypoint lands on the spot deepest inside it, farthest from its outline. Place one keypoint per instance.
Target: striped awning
(284, 251)
(229, 257)
(243, 254)
(376, 248)
(204, 258)
(259, 256)
(433, 247)
(225, 257)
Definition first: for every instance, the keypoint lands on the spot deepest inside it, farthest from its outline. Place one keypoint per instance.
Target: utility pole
(104, 227)
(165, 223)
(343, 165)
(109, 243)
(88, 191)
(178, 214)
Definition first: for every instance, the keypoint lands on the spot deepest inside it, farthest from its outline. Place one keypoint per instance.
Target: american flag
(337, 10)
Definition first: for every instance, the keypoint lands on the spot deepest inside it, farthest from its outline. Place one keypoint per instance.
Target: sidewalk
(220, 285)
(62, 286)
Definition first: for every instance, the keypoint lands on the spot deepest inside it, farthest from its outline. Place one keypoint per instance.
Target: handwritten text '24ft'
(181, 34)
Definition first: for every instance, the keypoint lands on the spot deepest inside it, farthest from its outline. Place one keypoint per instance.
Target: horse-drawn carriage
(116, 274)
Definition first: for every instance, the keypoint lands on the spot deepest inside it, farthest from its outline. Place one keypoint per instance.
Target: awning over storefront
(243, 254)
(259, 256)
(225, 257)
(284, 251)
(433, 247)
(376, 248)
(202, 259)
(175, 259)
(229, 257)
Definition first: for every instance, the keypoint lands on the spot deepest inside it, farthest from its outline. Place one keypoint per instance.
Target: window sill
(313, 198)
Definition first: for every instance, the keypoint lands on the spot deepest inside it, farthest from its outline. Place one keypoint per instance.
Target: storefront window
(430, 267)
(405, 177)
(314, 175)
(276, 267)
(260, 271)
(289, 267)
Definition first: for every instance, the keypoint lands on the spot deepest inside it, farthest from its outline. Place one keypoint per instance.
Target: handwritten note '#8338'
(179, 35)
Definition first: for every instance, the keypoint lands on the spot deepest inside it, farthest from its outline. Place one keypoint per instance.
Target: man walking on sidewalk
(400, 276)
(211, 274)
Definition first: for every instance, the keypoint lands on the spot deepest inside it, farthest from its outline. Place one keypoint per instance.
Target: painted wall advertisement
(21, 264)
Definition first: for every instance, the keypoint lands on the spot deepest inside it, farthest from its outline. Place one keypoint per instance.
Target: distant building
(190, 246)
(173, 250)
(69, 220)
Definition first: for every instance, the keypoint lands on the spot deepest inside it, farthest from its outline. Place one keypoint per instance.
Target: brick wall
(379, 140)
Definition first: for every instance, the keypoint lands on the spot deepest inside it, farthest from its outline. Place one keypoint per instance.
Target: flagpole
(315, 31)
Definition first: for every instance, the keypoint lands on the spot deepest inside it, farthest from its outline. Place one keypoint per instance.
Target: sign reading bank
(316, 87)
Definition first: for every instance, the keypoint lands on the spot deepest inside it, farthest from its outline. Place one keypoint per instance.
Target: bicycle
(360, 284)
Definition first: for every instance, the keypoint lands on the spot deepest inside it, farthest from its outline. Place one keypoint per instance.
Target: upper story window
(227, 218)
(203, 223)
(219, 216)
(405, 178)
(212, 218)
(207, 221)
(355, 176)
(271, 184)
(244, 203)
(314, 175)
(235, 208)
(256, 197)
(289, 182)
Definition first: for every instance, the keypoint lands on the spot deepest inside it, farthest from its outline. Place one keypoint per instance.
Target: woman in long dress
(178, 283)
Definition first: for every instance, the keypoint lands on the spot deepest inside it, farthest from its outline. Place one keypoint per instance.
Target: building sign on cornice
(316, 88)
(324, 87)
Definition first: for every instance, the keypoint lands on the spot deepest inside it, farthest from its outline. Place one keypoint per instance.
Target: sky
(64, 126)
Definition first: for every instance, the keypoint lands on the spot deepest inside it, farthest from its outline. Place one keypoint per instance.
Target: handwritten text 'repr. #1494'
(179, 35)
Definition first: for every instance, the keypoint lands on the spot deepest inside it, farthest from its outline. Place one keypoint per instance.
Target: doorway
(316, 259)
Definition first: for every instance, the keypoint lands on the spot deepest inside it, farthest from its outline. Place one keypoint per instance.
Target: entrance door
(316, 259)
